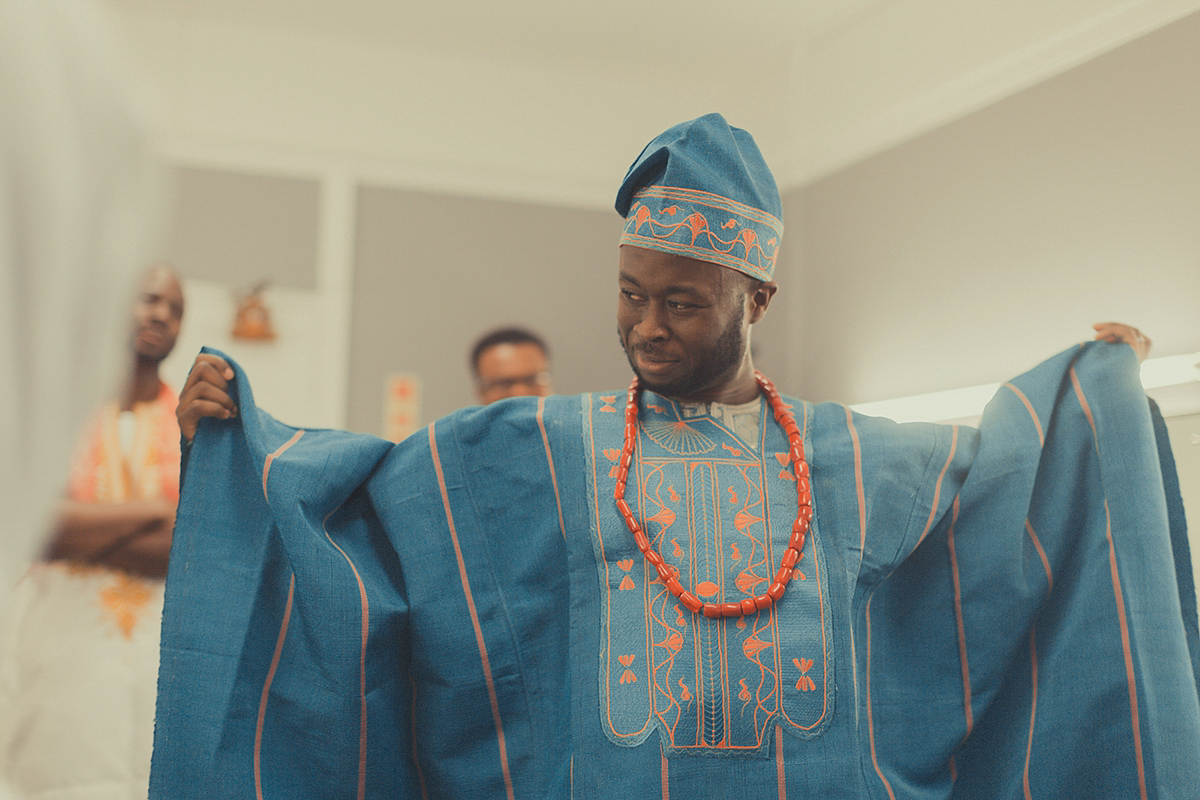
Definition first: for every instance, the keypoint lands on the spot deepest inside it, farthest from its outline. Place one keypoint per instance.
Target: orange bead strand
(668, 574)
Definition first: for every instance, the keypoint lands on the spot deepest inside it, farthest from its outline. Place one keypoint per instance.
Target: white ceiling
(545, 100)
(592, 36)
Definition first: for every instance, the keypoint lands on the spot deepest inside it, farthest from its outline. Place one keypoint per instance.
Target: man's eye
(678, 306)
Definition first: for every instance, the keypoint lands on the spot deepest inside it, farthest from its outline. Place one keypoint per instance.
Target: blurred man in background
(511, 362)
(80, 665)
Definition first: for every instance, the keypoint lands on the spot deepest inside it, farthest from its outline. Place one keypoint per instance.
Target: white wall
(970, 253)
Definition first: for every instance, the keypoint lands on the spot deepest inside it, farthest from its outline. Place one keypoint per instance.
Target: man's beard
(723, 359)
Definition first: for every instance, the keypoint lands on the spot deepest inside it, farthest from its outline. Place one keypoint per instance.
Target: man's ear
(760, 298)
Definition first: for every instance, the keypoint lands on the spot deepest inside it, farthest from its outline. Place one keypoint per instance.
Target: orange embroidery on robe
(608, 404)
(744, 519)
(677, 436)
(627, 676)
(731, 223)
(698, 673)
(753, 646)
(670, 210)
(748, 581)
(805, 684)
(626, 582)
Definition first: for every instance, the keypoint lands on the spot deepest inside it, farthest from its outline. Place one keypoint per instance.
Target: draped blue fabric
(996, 612)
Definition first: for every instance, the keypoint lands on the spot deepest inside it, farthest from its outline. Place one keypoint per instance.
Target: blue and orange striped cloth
(1005, 611)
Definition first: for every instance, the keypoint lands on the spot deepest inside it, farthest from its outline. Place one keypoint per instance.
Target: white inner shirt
(742, 418)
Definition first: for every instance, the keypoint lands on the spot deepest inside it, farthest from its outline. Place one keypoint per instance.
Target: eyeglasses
(536, 381)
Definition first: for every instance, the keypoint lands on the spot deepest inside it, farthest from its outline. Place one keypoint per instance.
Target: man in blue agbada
(719, 593)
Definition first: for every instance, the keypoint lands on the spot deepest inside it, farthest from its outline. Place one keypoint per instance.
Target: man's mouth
(151, 334)
(651, 360)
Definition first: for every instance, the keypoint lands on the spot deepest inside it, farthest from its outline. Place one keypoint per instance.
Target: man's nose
(160, 312)
(653, 324)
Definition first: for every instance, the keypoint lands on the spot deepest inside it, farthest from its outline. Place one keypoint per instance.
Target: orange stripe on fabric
(666, 783)
(365, 623)
(968, 713)
(541, 418)
(271, 458)
(1032, 709)
(1037, 544)
(937, 488)
(870, 715)
(266, 690)
(1119, 597)
(780, 776)
(1037, 423)
(466, 585)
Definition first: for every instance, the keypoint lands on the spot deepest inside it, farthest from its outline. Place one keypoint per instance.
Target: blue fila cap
(702, 189)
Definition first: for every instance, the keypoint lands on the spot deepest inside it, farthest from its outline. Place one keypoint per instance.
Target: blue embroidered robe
(977, 613)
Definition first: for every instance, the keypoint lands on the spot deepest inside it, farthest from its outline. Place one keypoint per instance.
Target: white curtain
(76, 185)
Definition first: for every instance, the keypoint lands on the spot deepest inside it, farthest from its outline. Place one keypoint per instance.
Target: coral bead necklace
(669, 574)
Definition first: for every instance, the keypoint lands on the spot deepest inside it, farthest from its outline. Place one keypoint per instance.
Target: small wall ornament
(252, 321)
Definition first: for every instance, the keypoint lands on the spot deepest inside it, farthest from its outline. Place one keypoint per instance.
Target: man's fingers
(206, 394)
(1117, 332)
(209, 369)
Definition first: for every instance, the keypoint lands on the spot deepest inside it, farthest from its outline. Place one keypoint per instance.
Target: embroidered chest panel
(720, 509)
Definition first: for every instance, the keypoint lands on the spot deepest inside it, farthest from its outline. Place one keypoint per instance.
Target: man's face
(683, 322)
(512, 370)
(157, 314)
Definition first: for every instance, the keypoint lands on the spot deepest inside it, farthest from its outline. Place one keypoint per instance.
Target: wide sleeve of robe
(1036, 642)
(350, 618)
